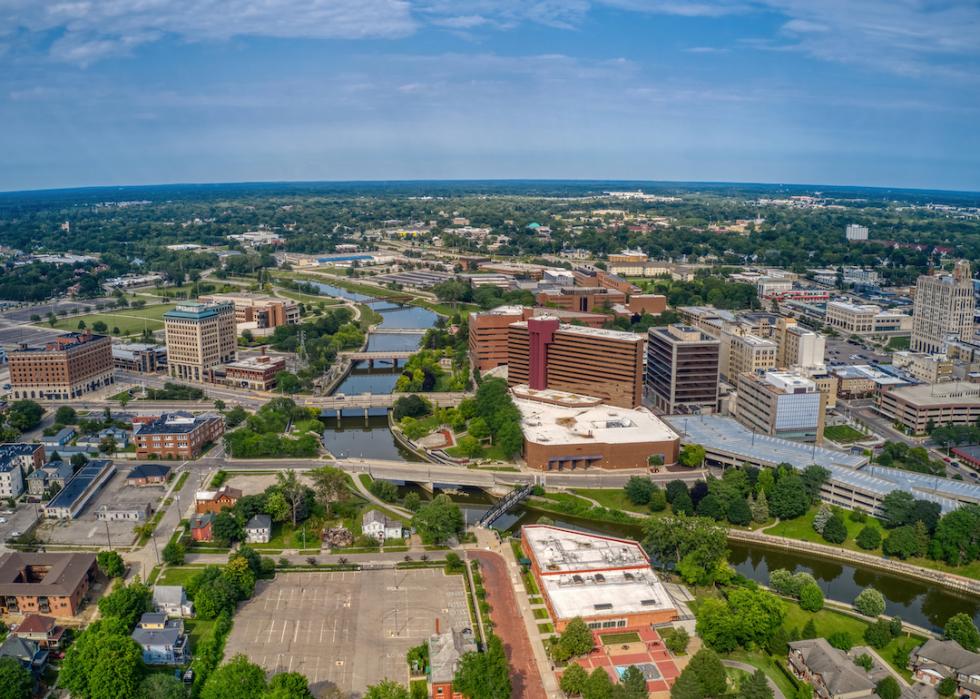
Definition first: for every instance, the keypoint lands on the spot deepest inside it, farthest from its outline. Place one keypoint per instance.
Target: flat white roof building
(607, 582)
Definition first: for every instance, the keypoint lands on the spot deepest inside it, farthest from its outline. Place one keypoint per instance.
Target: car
(973, 474)
(7, 387)
(14, 535)
(3, 520)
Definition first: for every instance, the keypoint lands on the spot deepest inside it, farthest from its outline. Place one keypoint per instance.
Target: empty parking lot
(346, 629)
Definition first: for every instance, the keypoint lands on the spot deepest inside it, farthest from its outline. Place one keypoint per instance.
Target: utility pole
(108, 538)
(155, 549)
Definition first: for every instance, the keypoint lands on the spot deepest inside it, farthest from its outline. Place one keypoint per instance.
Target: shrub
(864, 660)
(869, 538)
(879, 634)
(811, 598)
(870, 602)
(841, 640)
(676, 640)
(835, 531)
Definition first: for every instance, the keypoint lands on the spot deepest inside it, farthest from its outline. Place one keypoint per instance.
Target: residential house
(201, 527)
(934, 661)
(162, 640)
(59, 438)
(829, 671)
(95, 441)
(148, 474)
(43, 630)
(50, 477)
(445, 652)
(172, 601)
(16, 460)
(258, 530)
(376, 525)
(216, 500)
(28, 653)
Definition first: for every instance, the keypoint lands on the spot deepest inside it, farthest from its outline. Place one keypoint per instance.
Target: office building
(915, 407)
(682, 369)
(67, 366)
(741, 352)
(927, 368)
(544, 353)
(16, 462)
(854, 232)
(797, 346)
(79, 490)
(177, 435)
(865, 319)
(257, 373)
(565, 431)
(580, 298)
(258, 309)
(139, 357)
(488, 330)
(608, 582)
(781, 404)
(200, 337)
(45, 583)
(943, 310)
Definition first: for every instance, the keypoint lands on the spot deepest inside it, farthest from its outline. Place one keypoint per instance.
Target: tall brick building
(68, 366)
(544, 353)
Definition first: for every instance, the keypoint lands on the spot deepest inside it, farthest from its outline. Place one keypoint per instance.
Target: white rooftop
(544, 423)
(586, 330)
(588, 576)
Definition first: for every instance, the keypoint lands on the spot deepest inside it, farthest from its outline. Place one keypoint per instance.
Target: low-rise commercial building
(927, 368)
(865, 319)
(265, 312)
(124, 512)
(607, 582)
(45, 583)
(445, 652)
(68, 366)
(564, 431)
(255, 373)
(781, 404)
(682, 369)
(915, 407)
(148, 474)
(544, 353)
(79, 490)
(140, 358)
(177, 435)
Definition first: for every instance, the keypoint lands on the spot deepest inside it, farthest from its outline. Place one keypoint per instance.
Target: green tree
(835, 531)
(639, 490)
(173, 553)
(888, 688)
(484, 675)
(879, 634)
(902, 542)
(686, 687)
(66, 415)
(760, 507)
(739, 512)
(126, 603)
(676, 640)
(387, 689)
(811, 598)
(294, 491)
(412, 501)
(841, 640)
(869, 538)
(755, 686)
(957, 537)
(960, 628)
(15, 680)
(226, 528)
(696, 546)
(692, 455)
(870, 602)
(576, 639)
(24, 415)
(330, 485)
(162, 686)
(634, 684)
(111, 564)
(438, 520)
(103, 662)
(236, 679)
(277, 507)
(288, 685)
(410, 406)
(384, 490)
(789, 498)
(599, 686)
(947, 687)
(710, 673)
(897, 508)
(573, 680)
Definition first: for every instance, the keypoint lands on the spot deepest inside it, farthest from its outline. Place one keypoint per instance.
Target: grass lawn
(828, 621)
(843, 434)
(130, 321)
(801, 529)
(197, 630)
(546, 628)
(611, 639)
(284, 536)
(614, 499)
(540, 613)
(768, 665)
(178, 576)
(896, 344)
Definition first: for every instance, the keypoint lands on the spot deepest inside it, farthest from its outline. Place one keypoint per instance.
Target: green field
(179, 576)
(614, 499)
(130, 321)
(610, 639)
(843, 434)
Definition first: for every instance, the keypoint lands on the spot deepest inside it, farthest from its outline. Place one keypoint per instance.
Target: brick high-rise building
(264, 311)
(66, 367)
(488, 330)
(544, 353)
(943, 310)
(200, 337)
(682, 369)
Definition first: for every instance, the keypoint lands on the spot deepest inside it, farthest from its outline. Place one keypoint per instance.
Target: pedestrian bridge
(330, 405)
(377, 355)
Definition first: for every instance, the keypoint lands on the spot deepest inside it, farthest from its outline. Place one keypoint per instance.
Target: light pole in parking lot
(108, 538)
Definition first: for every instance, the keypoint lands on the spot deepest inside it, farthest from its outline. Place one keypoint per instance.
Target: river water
(353, 435)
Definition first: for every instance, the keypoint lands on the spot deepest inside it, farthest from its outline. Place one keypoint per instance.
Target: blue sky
(866, 92)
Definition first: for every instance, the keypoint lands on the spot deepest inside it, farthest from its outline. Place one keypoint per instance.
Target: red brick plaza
(650, 655)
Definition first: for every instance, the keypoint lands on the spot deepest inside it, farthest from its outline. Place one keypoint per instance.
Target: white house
(172, 601)
(376, 525)
(258, 530)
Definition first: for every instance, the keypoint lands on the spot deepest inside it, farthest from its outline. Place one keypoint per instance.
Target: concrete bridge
(364, 401)
(382, 330)
(377, 356)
